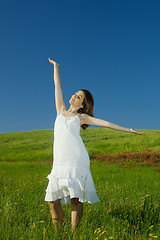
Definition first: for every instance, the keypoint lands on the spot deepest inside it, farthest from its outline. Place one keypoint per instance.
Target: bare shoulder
(61, 109)
(84, 118)
(89, 120)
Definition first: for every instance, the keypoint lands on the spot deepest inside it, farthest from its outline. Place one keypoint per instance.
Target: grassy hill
(129, 206)
(38, 145)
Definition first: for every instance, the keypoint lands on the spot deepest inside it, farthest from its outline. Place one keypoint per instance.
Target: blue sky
(111, 48)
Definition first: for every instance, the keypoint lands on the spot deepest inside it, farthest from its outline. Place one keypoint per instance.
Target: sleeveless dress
(70, 176)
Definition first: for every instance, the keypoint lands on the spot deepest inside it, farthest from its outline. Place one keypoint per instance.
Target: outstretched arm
(102, 123)
(58, 91)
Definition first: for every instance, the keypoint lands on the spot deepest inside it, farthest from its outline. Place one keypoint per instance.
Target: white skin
(76, 103)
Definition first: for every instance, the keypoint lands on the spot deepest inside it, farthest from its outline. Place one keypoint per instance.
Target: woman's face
(77, 99)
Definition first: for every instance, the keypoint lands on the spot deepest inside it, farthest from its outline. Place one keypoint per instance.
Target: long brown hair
(88, 104)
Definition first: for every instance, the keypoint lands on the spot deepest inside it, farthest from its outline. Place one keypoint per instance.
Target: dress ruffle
(66, 182)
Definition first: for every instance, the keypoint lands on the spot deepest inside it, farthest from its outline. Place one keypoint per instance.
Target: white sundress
(70, 176)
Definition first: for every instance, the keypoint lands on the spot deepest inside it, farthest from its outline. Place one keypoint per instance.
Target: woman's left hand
(134, 131)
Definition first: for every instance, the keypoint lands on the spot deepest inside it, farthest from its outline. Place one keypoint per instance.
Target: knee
(54, 203)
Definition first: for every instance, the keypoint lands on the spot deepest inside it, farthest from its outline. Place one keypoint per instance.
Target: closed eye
(78, 96)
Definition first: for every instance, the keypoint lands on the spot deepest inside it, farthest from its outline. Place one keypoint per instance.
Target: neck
(73, 110)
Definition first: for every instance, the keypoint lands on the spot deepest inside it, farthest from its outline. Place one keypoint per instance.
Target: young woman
(70, 181)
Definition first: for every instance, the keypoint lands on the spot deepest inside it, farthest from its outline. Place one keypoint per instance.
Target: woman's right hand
(53, 62)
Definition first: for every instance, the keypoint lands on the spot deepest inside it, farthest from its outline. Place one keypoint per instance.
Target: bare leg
(76, 213)
(56, 212)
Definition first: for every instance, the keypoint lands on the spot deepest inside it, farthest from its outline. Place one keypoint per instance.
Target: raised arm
(102, 123)
(58, 91)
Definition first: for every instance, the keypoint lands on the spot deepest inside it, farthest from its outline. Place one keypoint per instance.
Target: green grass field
(38, 145)
(129, 189)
